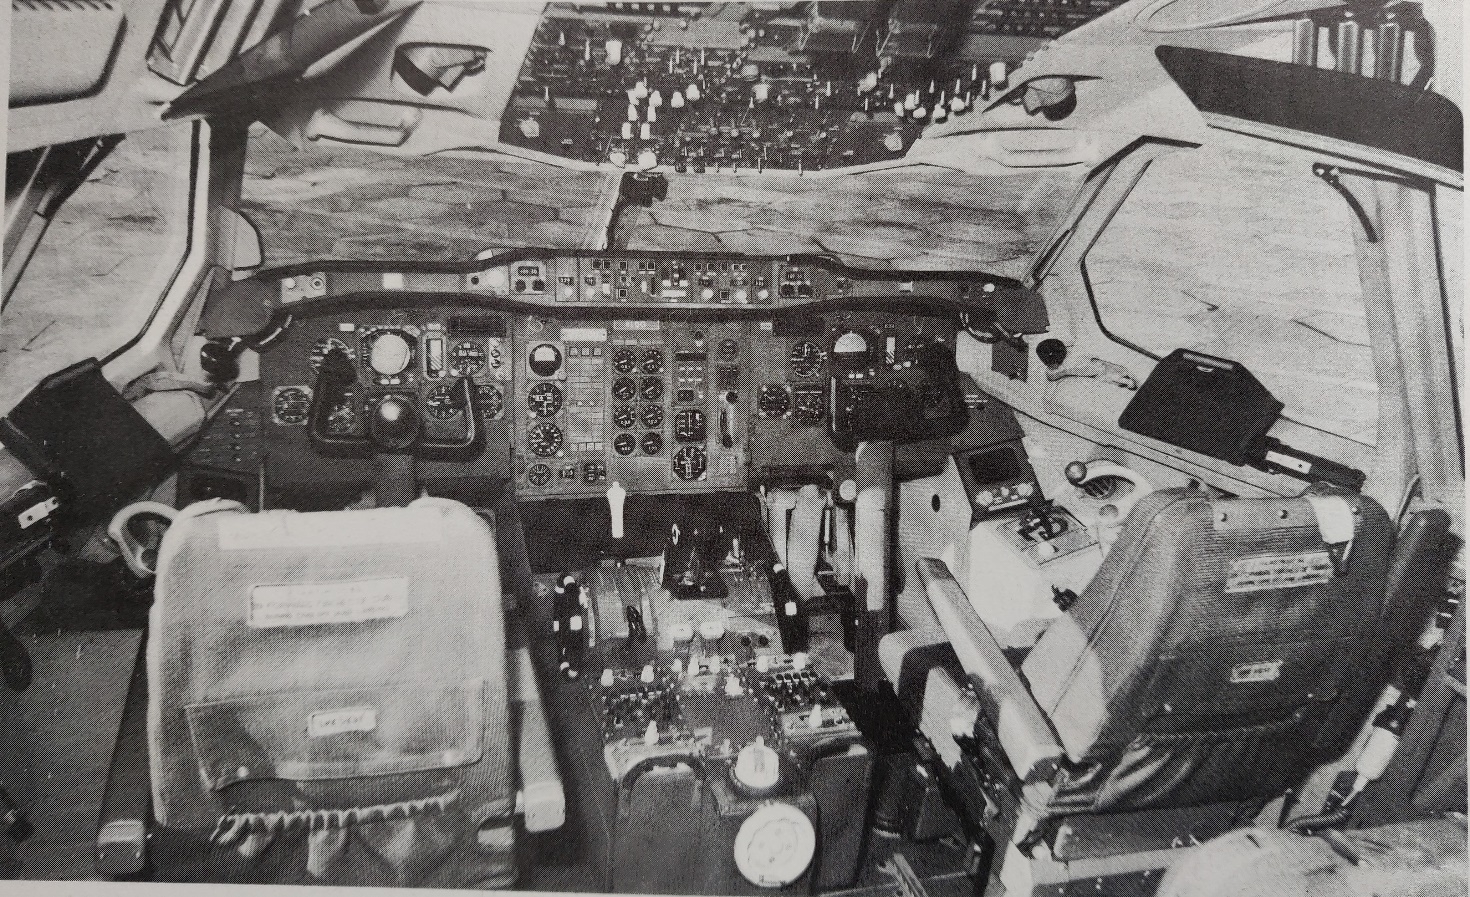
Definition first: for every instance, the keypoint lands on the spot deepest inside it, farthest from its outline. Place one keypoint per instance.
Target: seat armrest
(127, 801)
(1024, 733)
(540, 798)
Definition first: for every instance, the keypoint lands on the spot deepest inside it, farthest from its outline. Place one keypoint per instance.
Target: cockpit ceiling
(330, 202)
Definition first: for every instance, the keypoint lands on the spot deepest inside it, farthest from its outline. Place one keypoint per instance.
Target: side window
(1247, 256)
(104, 263)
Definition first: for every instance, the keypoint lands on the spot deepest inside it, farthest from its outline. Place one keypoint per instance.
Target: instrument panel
(657, 406)
(663, 372)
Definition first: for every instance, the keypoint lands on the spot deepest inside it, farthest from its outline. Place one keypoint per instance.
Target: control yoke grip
(472, 419)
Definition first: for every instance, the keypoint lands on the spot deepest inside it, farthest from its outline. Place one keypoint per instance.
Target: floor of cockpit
(61, 731)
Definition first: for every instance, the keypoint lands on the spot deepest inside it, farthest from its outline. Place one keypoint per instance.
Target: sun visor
(78, 433)
(1122, 93)
(238, 307)
(1204, 404)
(312, 42)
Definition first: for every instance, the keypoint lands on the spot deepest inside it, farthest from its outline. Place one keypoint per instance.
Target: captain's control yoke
(395, 428)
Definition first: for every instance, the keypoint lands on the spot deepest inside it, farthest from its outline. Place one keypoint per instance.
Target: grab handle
(134, 551)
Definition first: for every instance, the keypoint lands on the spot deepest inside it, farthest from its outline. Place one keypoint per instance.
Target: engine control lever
(727, 419)
(616, 495)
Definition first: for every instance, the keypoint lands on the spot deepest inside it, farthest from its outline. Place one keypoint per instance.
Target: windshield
(104, 263)
(323, 202)
(1271, 279)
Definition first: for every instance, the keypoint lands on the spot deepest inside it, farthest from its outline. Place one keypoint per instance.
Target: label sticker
(243, 532)
(345, 719)
(1258, 671)
(1278, 571)
(327, 603)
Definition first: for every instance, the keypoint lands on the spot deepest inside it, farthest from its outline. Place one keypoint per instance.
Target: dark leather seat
(1224, 649)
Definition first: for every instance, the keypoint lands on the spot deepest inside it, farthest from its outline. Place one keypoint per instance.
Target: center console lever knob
(615, 496)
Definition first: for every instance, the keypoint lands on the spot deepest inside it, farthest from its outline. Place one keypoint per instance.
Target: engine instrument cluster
(654, 405)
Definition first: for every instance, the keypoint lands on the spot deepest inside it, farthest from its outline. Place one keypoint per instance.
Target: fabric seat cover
(338, 679)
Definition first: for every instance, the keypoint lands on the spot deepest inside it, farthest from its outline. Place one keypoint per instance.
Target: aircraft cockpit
(995, 447)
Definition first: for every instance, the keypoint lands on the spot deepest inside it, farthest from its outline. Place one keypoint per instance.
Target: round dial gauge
(689, 425)
(806, 359)
(651, 416)
(690, 462)
(773, 400)
(390, 352)
(545, 359)
(729, 348)
(321, 347)
(539, 474)
(624, 388)
(466, 359)
(624, 417)
(443, 402)
(809, 405)
(291, 404)
(625, 443)
(651, 443)
(853, 347)
(544, 439)
(651, 389)
(490, 400)
(653, 361)
(624, 360)
(544, 399)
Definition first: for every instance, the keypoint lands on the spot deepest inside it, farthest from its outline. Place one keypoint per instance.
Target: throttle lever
(616, 495)
(727, 414)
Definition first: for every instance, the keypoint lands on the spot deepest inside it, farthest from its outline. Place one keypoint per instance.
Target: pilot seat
(1224, 649)
(329, 700)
